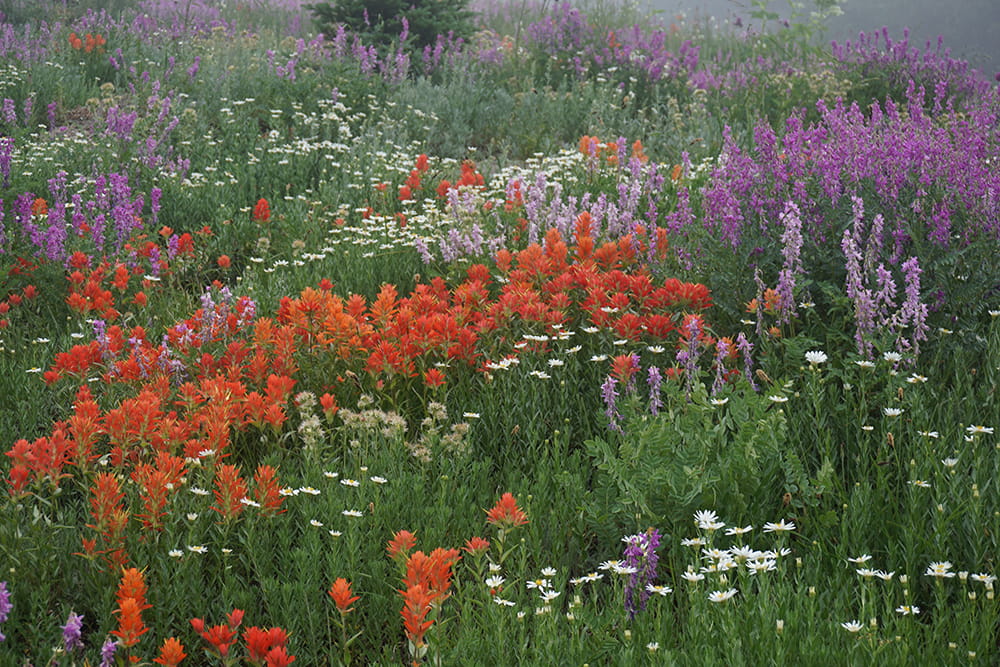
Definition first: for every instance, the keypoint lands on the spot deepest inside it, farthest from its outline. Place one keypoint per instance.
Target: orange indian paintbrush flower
(399, 546)
(417, 602)
(130, 625)
(341, 594)
(476, 546)
(506, 514)
(171, 653)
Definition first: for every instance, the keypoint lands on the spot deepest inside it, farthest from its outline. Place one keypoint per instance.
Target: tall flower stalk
(641, 559)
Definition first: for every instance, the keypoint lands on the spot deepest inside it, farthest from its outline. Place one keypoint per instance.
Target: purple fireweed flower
(654, 379)
(9, 112)
(71, 632)
(5, 605)
(51, 108)
(640, 554)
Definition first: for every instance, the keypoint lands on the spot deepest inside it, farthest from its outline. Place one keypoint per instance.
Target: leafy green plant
(724, 451)
(382, 22)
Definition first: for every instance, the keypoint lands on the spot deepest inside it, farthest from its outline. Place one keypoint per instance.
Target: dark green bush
(381, 22)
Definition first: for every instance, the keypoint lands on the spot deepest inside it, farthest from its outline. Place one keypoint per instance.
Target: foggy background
(971, 28)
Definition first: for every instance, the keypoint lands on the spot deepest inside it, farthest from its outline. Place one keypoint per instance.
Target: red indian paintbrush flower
(341, 594)
(262, 211)
(260, 643)
(476, 546)
(221, 637)
(230, 490)
(399, 546)
(417, 602)
(131, 602)
(506, 514)
(278, 657)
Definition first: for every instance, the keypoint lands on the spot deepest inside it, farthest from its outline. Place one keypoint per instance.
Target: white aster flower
(816, 357)
(781, 527)
(705, 516)
(940, 570)
(722, 596)
(853, 626)
(550, 595)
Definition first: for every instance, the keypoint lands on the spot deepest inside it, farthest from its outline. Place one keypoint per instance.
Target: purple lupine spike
(655, 380)
(5, 605)
(6, 157)
(71, 632)
(610, 395)
(721, 352)
(745, 348)
(791, 240)
(108, 652)
(641, 557)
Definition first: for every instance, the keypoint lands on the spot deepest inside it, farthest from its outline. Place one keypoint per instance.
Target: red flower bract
(262, 211)
(342, 596)
(506, 514)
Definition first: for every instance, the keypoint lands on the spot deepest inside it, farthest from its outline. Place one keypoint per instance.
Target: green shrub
(381, 22)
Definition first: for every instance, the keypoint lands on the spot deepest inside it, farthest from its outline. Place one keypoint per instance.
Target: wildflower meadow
(563, 335)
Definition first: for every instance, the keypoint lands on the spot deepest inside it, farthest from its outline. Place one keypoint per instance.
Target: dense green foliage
(382, 22)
